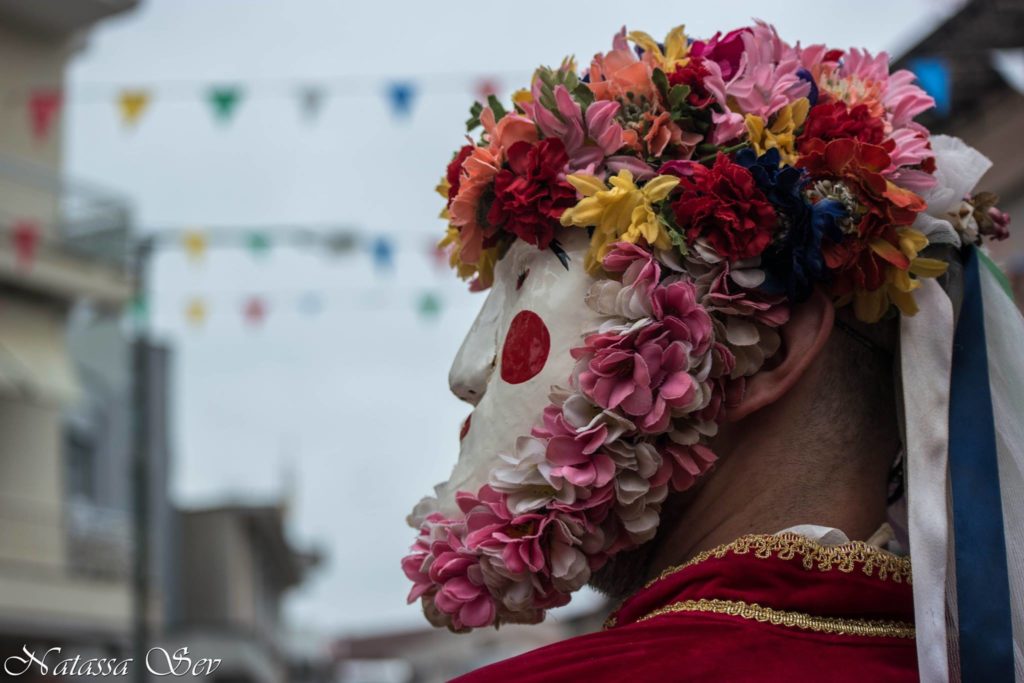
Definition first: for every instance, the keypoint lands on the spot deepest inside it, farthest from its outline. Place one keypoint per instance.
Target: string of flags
(25, 237)
(224, 101)
(133, 103)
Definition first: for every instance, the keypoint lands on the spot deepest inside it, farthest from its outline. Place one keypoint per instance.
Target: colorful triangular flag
(258, 243)
(311, 101)
(311, 303)
(224, 100)
(383, 254)
(255, 311)
(401, 95)
(195, 312)
(132, 104)
(43, 107)
(194, 243)
(486, 87)
(25, 236)
(429, 305)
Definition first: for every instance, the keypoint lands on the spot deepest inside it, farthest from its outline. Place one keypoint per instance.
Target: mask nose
(474, 363)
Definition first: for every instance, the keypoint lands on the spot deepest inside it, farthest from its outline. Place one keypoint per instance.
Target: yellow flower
(522, 96)
(779, 135)
(676, 52)
(442, 189)
(619, 212)
(899, 285)
(483, 269)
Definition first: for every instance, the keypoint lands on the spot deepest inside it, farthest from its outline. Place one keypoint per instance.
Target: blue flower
(794, 261)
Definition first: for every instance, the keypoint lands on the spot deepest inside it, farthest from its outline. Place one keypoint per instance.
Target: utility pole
(141, 253)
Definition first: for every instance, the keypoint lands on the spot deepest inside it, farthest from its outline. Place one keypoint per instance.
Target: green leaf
(677, 96)
(496, 107)
(474, 116)
(660, 81)
(583, 95)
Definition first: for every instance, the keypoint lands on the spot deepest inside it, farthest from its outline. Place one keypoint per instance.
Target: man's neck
(767, 490)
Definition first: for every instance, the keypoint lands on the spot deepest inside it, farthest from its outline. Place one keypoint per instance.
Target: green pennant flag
(258, 243)
(429, 305)
(138, 312)
(224, 100)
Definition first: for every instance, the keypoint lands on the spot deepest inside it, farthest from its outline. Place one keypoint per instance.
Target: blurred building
(64, 529)
(234, 566)
(981, 48)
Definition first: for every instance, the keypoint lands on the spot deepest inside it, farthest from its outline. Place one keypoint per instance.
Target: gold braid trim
(844, 557)
(833, 625)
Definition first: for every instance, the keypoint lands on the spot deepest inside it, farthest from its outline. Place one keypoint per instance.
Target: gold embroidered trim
(833, 625)
(844, 557)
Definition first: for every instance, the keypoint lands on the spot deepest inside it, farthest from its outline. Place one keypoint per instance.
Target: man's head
(671, 238)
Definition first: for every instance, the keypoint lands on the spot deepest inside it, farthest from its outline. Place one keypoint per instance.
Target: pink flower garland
(591, 478)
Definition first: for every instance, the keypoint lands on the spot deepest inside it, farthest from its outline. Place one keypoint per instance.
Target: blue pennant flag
(383, 254)
(933, 75)
(401, 95)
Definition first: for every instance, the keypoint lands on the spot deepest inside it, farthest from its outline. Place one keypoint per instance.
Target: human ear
(803, 338)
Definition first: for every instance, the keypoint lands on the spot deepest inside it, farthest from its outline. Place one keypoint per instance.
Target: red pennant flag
(43, 106)
(438, 255)
(255, 311)
(486, 87)
(25, 239)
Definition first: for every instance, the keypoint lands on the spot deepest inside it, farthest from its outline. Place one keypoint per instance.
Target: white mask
(508, 380)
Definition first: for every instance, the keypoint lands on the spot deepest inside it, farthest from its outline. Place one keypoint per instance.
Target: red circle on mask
(526, 348)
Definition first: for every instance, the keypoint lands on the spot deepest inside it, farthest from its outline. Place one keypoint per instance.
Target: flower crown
(720, 180)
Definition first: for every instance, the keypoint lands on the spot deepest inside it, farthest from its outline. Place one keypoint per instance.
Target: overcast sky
(350, 404)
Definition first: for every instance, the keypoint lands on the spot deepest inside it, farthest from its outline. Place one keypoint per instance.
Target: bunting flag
(340, 243)
(401, 95)
(25, 235)
(438, 255)
(311, 101)
(255, 311)
(194, 243)
(195, 312)
(138, 310)
(429, 306)
(486, 87)
(43, 107)
(132, 104)
(383, 254)
(933, 75)
(258, 243)
(311, 304)
(224, 100)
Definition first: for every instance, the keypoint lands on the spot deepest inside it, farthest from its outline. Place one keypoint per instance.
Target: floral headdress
(720, 181)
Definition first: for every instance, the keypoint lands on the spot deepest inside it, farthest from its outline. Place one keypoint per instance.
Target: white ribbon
(926, 358)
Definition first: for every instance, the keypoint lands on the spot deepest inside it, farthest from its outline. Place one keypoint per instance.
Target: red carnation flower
(693, 75)
(724, 205)
(455, 171)
(885, 206)
(834, 120)
(529, 195)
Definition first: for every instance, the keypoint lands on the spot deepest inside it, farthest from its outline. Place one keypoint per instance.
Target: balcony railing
(88, 220)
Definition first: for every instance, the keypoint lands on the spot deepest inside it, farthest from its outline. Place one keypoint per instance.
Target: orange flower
(619, 73)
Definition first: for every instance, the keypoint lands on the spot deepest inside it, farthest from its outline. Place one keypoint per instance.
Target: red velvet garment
(763, 608)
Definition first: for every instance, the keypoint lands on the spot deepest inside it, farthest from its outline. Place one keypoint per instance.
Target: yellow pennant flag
(194, 243)
(195, 312)
(132, 104)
